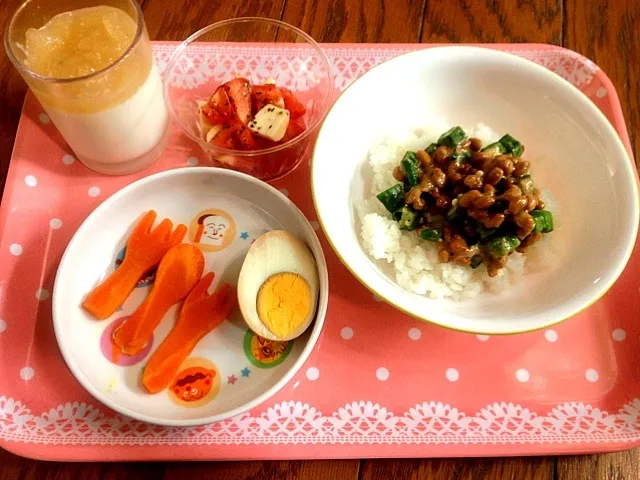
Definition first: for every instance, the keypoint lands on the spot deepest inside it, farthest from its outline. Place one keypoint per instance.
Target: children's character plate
(231, 369)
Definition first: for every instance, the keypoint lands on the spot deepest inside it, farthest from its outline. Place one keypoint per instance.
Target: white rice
(402, 254)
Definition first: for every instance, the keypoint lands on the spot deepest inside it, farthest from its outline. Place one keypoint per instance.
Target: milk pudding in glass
(90, 64)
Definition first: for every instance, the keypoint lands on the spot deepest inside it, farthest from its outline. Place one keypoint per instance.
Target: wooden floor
(607, 32)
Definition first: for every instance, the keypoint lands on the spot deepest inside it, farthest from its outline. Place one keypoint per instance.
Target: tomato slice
(212, 115)
(293, 130)
(291, 103)
(225, 137)
(221, 103)
(244, 138)
(238, 91)
(263, 143)
(234, 135)
(262, 95)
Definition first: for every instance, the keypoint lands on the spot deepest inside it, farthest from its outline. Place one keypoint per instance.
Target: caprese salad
(241, 116)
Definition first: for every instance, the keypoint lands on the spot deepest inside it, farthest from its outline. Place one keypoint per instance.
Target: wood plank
(13, 467)
(606, 31)
(460, 469)
(178, 20)
(13, 90)
(357, 20)
(300, 470)
(493, 21)
(613, 466)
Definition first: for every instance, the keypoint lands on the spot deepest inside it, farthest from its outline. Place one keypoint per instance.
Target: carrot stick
(200, 314)
(178, 272)
(145, 249)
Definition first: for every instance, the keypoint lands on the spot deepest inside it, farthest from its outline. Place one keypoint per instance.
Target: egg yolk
(284, 303)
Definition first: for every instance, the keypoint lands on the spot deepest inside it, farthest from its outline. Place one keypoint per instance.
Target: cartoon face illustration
(113, 353)
(196, 384)
(265, 353)
(212, 230)
(193, 384)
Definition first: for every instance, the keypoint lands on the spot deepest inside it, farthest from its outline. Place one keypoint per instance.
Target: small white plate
(231, 365)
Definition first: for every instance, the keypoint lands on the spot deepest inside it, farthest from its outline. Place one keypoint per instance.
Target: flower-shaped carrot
(200, 314)
(145, 249)
(178, 272)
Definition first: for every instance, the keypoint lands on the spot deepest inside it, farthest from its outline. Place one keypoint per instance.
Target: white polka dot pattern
(415, 333)
(27, 373)
(452, 374)
(55, 223)
(346, 333)
(30, 181)
(382, 374)
(619, 335)
(592, 375)
(522, 375)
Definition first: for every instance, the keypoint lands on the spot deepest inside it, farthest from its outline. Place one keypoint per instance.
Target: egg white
(275, 252)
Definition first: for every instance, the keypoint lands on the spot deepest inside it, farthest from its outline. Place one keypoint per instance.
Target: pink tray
(379, 384)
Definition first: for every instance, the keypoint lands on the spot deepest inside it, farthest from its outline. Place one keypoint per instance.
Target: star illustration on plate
(244, 235)
(245, 372)
(232, 379)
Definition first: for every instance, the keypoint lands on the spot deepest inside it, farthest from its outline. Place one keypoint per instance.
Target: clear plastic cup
(258, 49)
(114, 119)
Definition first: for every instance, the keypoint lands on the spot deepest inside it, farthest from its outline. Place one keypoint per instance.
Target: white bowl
(181, 195)
(576, 155)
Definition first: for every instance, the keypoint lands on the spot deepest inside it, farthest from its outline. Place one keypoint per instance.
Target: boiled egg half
(278, 286)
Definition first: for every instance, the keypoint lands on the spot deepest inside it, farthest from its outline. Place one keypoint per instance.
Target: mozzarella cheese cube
(270, 122)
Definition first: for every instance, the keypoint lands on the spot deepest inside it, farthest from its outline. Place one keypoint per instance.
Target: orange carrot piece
(178, 272)
(200, 314)
(145, 249)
